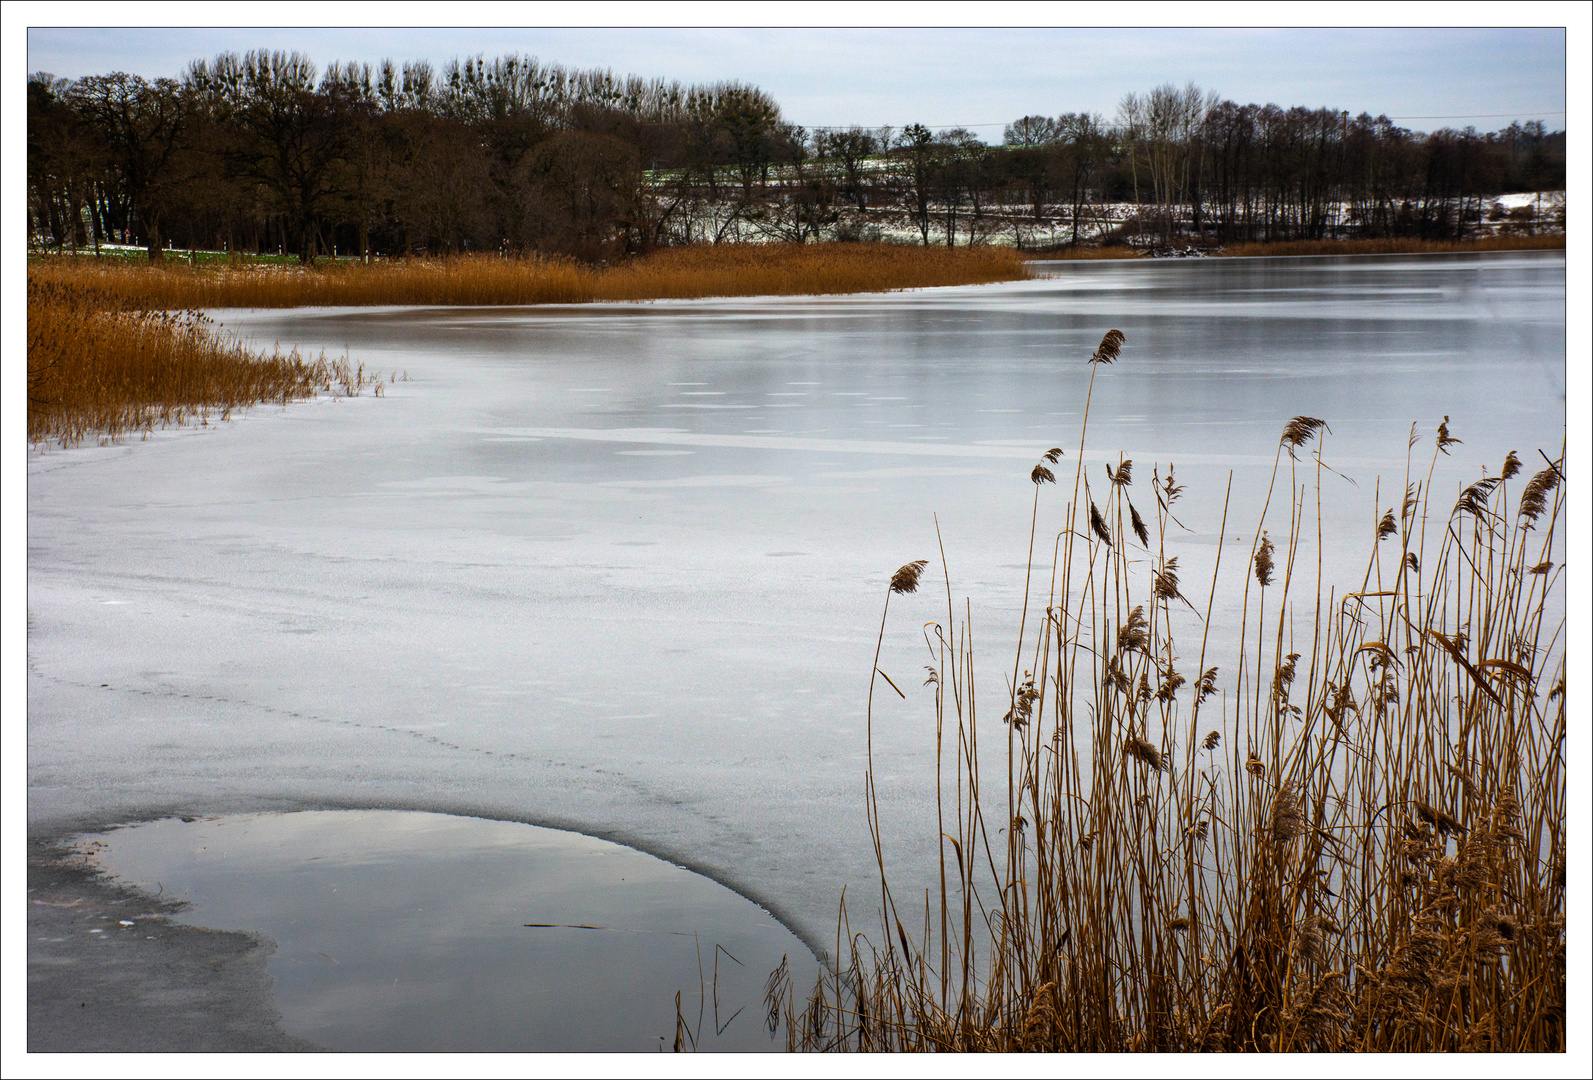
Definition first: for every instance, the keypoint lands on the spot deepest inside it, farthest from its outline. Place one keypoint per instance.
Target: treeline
(1257, 172)
(263, 154)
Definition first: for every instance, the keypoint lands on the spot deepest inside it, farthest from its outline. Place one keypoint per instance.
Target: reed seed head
(1285, 822)
(1171, 489)
(1386, 692)
(1205, 686)
(1437, 818)
(1264, 561)
(1022, 704)
(1308, 936)
(1098, 524)
(1472, 868)
(1412, 494)
(1508, 807)
(1474, 499)
(1386, 527)
(1124, 476)
(1512, 465)
(1042, 475)
(1053, 455)
(1301, 430)
(1110, 348)
(1468, 786)
(905, 580)
(1342, 698)
(1133, 634)
(1115, 675)
(1212, 738)
(1139, 526)
(1165, 584)
(1145, 752)
(1445, 440)
(1535, 498)
(1285, 673)
(1172, 681)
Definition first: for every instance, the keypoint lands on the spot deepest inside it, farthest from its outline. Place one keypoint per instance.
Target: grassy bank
(674, 273)
(1383, 246)
(99, 370)
(1341, 830)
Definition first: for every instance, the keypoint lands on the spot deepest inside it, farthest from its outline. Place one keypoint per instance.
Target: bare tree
(851, 147)
(1031, 131)
(140, 125)
(1084, 140)
(1160, 128)
(287, 135)
(580, 195)
(917, 163)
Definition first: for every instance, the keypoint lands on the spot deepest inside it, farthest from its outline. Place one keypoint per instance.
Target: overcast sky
(977, 78)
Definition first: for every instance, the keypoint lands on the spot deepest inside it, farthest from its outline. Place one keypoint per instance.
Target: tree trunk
(151, 224)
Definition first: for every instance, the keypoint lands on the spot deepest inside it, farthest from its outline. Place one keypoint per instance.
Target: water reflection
(426, 932)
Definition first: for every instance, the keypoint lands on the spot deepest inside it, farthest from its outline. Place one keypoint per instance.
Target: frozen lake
(618, 569)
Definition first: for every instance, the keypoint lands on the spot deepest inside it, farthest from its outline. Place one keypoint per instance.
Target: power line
(1002, 124)
(1483, 115)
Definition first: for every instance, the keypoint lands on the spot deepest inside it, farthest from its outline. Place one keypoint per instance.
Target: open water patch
(399, 931)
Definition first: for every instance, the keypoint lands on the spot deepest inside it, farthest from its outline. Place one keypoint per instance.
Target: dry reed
(482, 280)
(97, 370)
(1358, 845)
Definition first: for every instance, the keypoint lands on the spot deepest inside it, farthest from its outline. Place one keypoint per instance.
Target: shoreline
(1307, 248)
(156, 986)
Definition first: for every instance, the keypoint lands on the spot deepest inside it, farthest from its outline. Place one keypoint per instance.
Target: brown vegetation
(1351, 839)
(97, 369)
(676, 273)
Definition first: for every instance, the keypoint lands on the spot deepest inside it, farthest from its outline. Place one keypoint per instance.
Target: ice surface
(539, 581)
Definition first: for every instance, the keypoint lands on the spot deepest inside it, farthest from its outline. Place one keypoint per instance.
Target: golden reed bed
(106, 356)
(96, 370)
(674, 273)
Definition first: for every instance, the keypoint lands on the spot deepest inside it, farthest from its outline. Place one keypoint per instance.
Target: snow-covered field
(619, 568)
(1019, 224)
